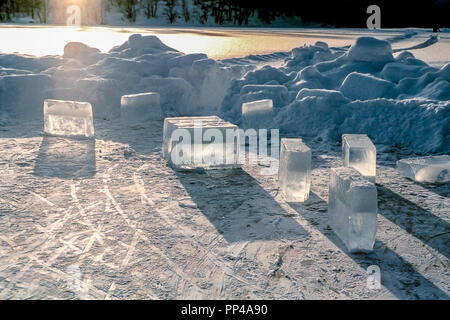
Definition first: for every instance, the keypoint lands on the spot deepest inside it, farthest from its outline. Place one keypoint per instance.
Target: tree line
(13, 8)
(339, 13)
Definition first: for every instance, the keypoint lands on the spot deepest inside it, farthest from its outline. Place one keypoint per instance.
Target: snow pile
(316, 90)
(188, 84)
(330, 91)
(367, 49)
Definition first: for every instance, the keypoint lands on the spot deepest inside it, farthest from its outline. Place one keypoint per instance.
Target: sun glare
(226, 44)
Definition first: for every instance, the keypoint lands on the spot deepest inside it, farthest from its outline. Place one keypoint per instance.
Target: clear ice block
(352, 209)
(257, 114)
(68, 118)
(201, 142)
(141, 107)
(360, 153)
(294, 174)
(431, 169)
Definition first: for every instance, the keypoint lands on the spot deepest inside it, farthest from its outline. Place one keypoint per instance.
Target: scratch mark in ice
(110, 197)
(131, 249)
(51, 204)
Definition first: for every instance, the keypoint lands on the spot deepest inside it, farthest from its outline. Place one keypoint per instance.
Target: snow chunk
(186, 60)
(23, 95)
(396, 71)
(368, 49)
(426, 169)
(277, 93)
(81, 52)
(138, 45)
(266, 74)
(358, 86)
(176, 93)
(103, 94)
(313, 113)
(445, 72)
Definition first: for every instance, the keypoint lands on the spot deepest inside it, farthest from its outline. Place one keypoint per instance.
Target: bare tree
(150, 8)
(171, 10)
(185, 10)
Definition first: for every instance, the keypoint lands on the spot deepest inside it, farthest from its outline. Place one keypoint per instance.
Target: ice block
(257, 114)
(68, 118)
(294, 174)
(141, 107)
(201, 142)
(352, 209)
(431, 169)
(360, 153)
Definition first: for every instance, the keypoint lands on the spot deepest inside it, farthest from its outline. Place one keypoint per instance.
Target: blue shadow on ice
(397, 274)
(66, 158)
(238, 207)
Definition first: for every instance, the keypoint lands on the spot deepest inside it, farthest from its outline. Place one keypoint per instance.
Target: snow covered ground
(107, 218)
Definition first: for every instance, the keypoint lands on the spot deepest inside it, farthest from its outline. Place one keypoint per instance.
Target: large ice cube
(68, 118)
(432, 169)
(201, 142)
(360, 153)
(141, 107)
(257, 114)
(352, 209)
(294, 175)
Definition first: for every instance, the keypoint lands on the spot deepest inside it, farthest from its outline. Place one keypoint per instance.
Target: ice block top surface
(140, 99)
(138, 95)
(351, 178)
(294, 145)
(67, 108)
(357, 140)
(257, 106)
(200, 122)
(427, 161)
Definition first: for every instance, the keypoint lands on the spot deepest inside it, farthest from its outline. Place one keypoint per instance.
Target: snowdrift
(318, 91)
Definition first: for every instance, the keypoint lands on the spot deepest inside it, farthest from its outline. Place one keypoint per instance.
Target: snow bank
(317, 90)
(396, 101)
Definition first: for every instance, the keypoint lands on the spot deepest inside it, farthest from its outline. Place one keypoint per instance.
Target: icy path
(137, 229)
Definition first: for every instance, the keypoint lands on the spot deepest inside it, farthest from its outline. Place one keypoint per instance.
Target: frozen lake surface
(133, 228)
(217, 43)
